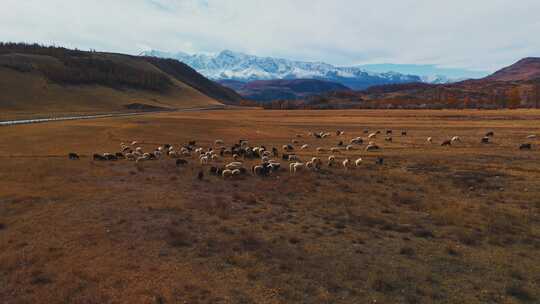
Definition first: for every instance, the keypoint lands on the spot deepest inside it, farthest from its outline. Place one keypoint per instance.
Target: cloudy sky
(481, 35)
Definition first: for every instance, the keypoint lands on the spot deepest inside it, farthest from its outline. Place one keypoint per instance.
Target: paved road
(42, 120)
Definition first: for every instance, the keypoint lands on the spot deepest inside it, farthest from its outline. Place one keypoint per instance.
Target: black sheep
(525, 147)
(73, 156)
(98, 157)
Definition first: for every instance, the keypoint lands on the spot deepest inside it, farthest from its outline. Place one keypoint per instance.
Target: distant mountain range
(229, 65)
(515, 86)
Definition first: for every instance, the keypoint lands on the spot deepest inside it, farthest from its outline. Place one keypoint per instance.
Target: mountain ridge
(231, 65)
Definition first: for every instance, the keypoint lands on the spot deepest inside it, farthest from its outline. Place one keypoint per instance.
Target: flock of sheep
(228, 161)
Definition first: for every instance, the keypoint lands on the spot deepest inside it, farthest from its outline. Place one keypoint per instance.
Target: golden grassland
(434, 224)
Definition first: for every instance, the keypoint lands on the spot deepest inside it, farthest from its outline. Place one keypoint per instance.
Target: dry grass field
(433, 224)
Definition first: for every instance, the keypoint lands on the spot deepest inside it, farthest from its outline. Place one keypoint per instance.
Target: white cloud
(479, 34)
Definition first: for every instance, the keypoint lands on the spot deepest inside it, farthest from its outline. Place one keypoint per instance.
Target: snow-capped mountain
(229, 65)
(440, 79)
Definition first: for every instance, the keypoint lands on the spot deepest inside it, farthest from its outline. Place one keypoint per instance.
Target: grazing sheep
(226, 173)
(295, 167)
(134, 143)
(295, 142)
(358, 162)
(446, 143)
(288, 148)
(335, 150)
(181, 162)
(325, 135)
(429, 140)
(127, 150)
(372, 135)
(331, 160)
(304, 147)
(109, 156)
(131, 157)
(388, 138)
(141, 159)
(204, 160)
(532, 136)
(293, 157)
(485, 140)
(372, 147)
(218, 142)
(73, 156)
(236, 157)
(357, 141)
(340, 143)
(366, 131)
(215, 157)
(257, 170)
(455, 139)
(236, 172)
(525, 146)
(388, 132)
(349, 147)
(265, 159)
(346, 164)
(320, 150)
(234, 165)
(192, 143)
(340, 132)
(490, 134)
(299, 135)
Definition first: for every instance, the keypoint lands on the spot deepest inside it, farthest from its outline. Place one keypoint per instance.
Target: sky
(478, 36)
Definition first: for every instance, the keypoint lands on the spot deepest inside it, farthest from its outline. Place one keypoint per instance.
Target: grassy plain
(434, 224)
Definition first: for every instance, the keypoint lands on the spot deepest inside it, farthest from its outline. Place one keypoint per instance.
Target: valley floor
(434, 224)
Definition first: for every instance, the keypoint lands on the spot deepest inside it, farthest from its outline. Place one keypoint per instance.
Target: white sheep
(304, 147)
(372, 135)
(373, 147)
(349, 147)
(226, 173)
(429, 140)
(532, 136)
(236, 172)
(204, 160)
(335, 150)
(455, 139)
(234, 165)
(295, 167)
(236, 157)
(331, 160)
(320, 150)
(357, 141)
(346, 163)
(131, 157)
(218, 142)
(293, 158)
(358, 162)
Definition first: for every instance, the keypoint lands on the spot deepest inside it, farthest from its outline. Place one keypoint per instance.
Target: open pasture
(432, 224)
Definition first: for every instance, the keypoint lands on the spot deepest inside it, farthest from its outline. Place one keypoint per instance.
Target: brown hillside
(525, 69)
(42, 81)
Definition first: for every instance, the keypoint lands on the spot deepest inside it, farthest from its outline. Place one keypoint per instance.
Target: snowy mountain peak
(230, 65)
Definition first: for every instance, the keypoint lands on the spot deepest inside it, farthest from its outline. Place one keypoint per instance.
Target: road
(53, 119)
